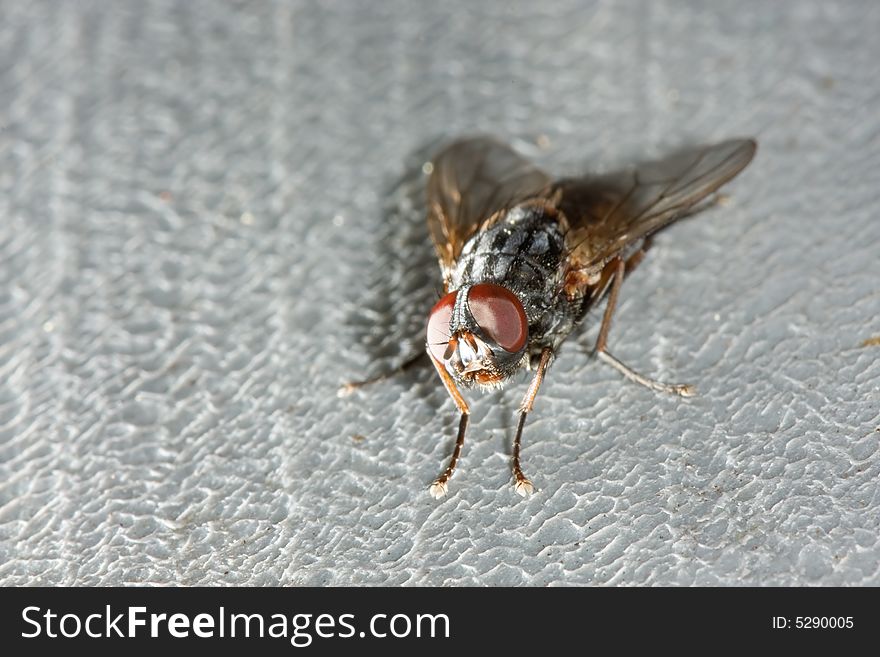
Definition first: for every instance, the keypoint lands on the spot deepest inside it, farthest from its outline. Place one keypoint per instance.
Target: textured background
(200, 238)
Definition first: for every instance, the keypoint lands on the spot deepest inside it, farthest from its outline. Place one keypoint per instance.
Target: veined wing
(610, 212)
(472, 179)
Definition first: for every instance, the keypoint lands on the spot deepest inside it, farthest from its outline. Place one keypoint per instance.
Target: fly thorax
(521, 249)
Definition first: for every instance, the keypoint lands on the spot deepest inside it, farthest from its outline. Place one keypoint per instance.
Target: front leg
(523, 486)
(439, 488)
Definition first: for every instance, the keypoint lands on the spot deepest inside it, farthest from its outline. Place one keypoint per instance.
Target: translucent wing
(471, 180)
(608, 213)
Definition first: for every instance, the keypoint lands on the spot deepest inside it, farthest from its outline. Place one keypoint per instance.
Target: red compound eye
(438, 325)
(500, 315)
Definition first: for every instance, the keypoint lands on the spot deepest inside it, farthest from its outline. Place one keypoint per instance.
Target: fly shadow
(404, 283)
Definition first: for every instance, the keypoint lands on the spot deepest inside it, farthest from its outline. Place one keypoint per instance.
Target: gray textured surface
(194, 206)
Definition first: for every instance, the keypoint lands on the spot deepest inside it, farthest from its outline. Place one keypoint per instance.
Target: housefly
(524, 256)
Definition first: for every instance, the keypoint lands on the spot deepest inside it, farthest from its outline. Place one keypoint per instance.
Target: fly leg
(601, 343)
(439, 488)
(523, 486)
(348, 388)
